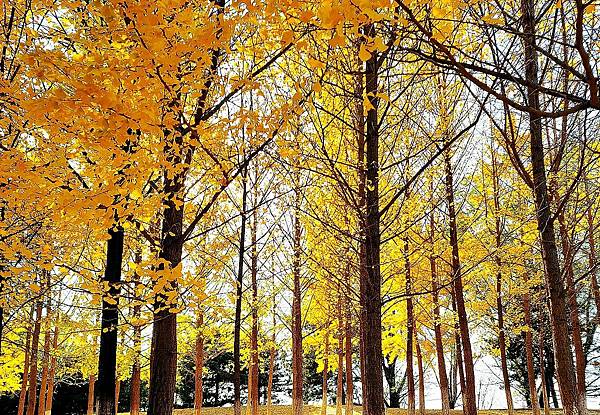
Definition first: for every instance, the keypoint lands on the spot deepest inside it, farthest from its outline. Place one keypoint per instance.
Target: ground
(316, 410)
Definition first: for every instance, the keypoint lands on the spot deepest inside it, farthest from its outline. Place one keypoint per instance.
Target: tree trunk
(325, 373)
(26, 364)
(558, 297)
(91, 397)
(52, 374)
(421, 375)
(272, 354)
(107, 358)
(593, 263)
(437, 326)
(33, 368)
(348, 355)
(580, 362)
(535, 409)
(237, 394)
(253, 387)
(297, 375)
(136, 383)
(390, 376)
(544, 387)
(199, 368)
(340, 355)
(499, 305)
(469, 396)
(163, 366)
(117, 393)
(459, 359)
(371, 285)
(45, 365)
(410, 330)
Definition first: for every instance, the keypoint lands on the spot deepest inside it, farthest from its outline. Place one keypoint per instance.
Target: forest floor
(316, 410)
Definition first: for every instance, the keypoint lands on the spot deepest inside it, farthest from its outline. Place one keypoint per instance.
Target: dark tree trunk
(199, 365)
(253, 387)
(437, 327)
(469, 397)
(26, 363)
(558, 297)
(33, 367)
(297, 375)
(499, 305)
(410, 329)
(237, 394)
(371, 285)
(421, 375)
(535, 409)
(136, 383)
(163, 366)
(107, 358)
(390, 376)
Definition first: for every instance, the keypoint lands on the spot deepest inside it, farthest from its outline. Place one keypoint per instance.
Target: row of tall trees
(379, 185)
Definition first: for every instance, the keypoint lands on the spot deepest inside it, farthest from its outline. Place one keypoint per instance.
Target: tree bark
(544, 387)
(535, 409)
(325, 372)
(253, 387)
(199, 367)
(348, 355)
(33, 368)
(45, 364)
(163, 361)
(421, 375)
(26, 364)
(117, 393)
(297, 375)
(340, 355)
(580, 361)
(437, 326)
(410, 329)
(371, 285)
(558, 299)
(237, 395)
(136, 383)
(499, 305)
(91, 395)
(272, 354)
(469, 396)
(593, 263)
(52, 374)
(107, 358)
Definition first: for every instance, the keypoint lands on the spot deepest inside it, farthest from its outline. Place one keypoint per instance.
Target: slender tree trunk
(340, 355)
(325, 373)
(136, 383)
(535, 409)
(33, 368)
(117, 393)
(91, 395)
(469, 396)
(437, 326)
(52, 374)
(297, 376)
(26, 364)
(272, 354)
(499, 305)
(348, 354)
(545, 401)
(45, 364)
(390, 376)
(593, 263)
(371, 285)
(459, 358)
(107, 359)
(199, 360)
(253, 387)
(410, 330)
(565, 369)
(421, 375)
(237, 395)
(580, 361)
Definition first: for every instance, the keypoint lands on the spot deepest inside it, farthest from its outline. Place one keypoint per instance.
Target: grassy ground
(316, 410)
